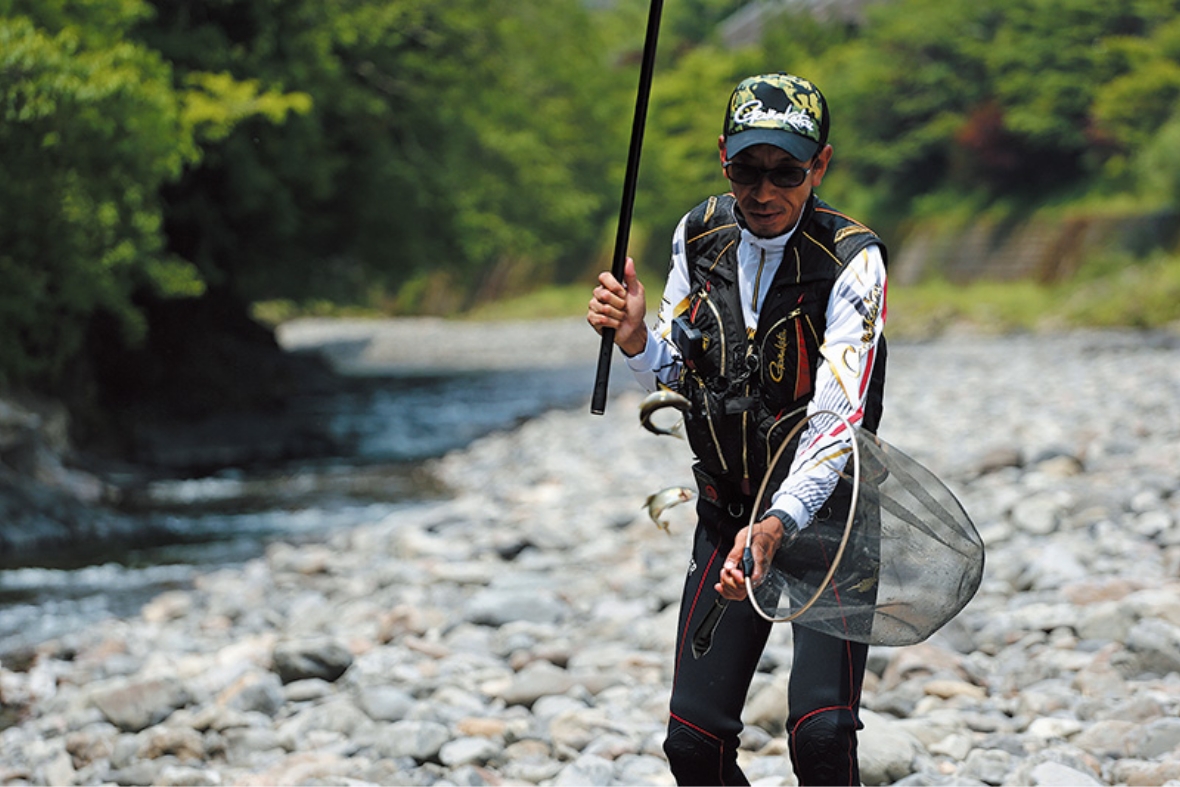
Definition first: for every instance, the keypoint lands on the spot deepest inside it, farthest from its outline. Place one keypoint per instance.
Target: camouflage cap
(777, 109)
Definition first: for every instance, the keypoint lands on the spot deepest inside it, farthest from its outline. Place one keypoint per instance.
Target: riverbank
(387, 391)
(520, 631)
(430, 345)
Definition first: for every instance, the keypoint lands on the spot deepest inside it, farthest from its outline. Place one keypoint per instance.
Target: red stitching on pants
(701, 730)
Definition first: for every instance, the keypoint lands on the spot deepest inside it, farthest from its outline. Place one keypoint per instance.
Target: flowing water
(388, 428)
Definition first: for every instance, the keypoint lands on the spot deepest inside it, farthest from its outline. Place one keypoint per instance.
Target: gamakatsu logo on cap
(753, 113)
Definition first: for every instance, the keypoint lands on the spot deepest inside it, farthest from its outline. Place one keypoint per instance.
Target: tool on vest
(606, 348)
(689, 340)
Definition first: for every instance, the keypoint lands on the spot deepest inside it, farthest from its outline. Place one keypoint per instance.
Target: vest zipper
(746, 486)
(757, 282)
(712, 426)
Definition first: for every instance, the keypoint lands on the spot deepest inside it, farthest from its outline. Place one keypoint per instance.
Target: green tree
(89, 129)
(688, 23)
(92, 129)
(900, 93)
(680, 163)
(459, 144)
(1135, 104)
(1003, 99)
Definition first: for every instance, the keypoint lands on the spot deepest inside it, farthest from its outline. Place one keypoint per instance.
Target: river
(391, 425)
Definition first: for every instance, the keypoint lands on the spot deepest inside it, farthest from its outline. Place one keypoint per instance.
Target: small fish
(661, 501)
(865, 585)
(658, 401)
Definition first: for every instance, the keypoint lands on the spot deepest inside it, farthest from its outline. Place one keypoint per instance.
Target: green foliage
(1129, 293)
(548, 303)
(1117, 291)
(1139, 294)
(1138, 103)
(534, 177)
(96, 22)
(89, 128)
(1017, 98)
(93, 128)
(426, 155)
(215, 104)
(1156, 163)
(470, 141)
(681, 162)
(693, 22)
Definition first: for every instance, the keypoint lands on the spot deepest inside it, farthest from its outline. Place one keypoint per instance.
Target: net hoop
(819, 591)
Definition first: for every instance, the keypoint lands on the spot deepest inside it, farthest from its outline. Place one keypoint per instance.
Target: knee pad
(690, 755)
(823, 750)
(697, 759)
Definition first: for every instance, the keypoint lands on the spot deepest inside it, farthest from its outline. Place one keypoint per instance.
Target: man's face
(771, 210)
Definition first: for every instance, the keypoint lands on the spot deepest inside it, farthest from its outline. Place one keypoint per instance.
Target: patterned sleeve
(855, 320)
(659, 363)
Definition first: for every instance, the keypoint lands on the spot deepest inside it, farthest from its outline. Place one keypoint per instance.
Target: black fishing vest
(748, 393)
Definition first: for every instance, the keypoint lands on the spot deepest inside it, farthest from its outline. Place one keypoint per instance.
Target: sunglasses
(749, 175)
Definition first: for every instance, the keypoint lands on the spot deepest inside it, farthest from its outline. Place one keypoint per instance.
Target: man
(773, 309)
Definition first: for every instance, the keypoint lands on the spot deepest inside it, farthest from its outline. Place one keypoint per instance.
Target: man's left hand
(767, 536)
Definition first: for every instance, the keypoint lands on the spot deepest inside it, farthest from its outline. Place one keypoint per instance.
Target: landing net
(889, 560)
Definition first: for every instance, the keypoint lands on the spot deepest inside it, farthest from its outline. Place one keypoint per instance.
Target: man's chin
(764, 225)
(765, 229)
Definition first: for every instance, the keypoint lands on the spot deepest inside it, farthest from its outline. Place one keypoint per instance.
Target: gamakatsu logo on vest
(778, 366)
(753, 113)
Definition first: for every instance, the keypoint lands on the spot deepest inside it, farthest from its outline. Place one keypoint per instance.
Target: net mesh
(912, 561)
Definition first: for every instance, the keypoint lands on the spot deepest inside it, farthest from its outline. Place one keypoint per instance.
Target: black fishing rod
(602, 379)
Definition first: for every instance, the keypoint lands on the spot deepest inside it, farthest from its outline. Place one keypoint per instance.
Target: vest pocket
(711, 425)
(699, 336)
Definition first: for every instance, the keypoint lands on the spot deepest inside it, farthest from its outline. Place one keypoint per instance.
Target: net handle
(847, 524)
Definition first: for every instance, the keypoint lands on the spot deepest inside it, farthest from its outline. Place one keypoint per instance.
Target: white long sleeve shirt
(855, 319)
